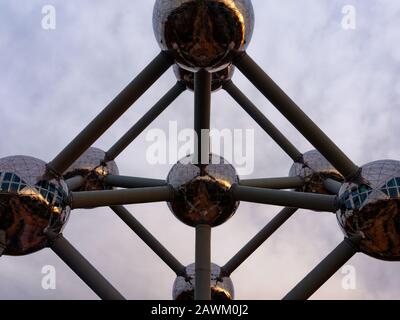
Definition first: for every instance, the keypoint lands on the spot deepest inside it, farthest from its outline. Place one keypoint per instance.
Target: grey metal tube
(132, 182)
(293, 199)
(145, 121)
(257, 241)
(332, 185)
(203, 263)
(324, 271)
(263, 122)
(274, 183)
(202, 113)
(150, 240)
(110, 114)
(84, 269)
(74, 182)
(92, 199)
(297, 117)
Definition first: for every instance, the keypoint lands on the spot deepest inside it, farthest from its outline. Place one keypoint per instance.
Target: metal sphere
(372, 210)
(221, 287)
(30, 205)
(217, 81)
(203, 34)
(314, 171)
(203, 191)
(93, 168)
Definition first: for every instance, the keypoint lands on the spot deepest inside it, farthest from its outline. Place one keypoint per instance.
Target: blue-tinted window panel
(357, 202)
(392, 183)
(363, 197)
(393, 192)
(14, 187)
(8, 176)
(5, 186)
(16, 178)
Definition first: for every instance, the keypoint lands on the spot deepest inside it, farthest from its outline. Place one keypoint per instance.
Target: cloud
(54, 82)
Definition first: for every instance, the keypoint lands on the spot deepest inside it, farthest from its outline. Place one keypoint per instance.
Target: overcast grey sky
(52, 83)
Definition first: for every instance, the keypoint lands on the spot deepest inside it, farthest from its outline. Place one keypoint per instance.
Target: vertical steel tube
(257, 241)
(263, 122)
(203, 263)
(324, 271)
(84, 269)
(110, 114)
(202, 113)
(297, 117)
(145, 121)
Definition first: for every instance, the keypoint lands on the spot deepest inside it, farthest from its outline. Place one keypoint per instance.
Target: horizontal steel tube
(293, 199)
(297, 117)
(150, 240)
(74, 182)
(132, 182)
(110, 114)
(92, 199)
(145, 121)
(323, 271)
(257, 241)
(274, 183)
(263, 122)
(84, 269)
(332, 186)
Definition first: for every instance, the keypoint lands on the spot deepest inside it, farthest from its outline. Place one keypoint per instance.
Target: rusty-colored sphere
(371, 210)
(30, 205)
(203, 192)
(203, 34)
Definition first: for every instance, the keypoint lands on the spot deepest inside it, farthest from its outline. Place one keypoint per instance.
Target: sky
(53, 82)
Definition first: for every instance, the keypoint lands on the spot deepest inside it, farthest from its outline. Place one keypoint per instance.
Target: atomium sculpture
(203, 40)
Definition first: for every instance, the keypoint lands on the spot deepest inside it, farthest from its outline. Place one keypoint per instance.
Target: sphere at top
(203, 191)
(93, 167)
(314, 171)
(218, 78)
(30, 205)
(221, 287)
(372, 210)
(203, 34)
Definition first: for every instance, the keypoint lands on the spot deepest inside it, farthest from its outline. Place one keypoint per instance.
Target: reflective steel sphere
(372, 210)
(93, 168)
(314, 171)
(218, 77)
(221, 287)
(30, 205)
(203, 34)
(203, 192)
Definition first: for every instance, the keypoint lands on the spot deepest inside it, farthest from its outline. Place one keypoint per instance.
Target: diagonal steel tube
(110, 114)
(263, 122)
(293, 199)
(297, 117)
(132, 182)
(145, 121)
(84, 269)
(324, 271)
(203, 263)
(257, 241)
(92, 199)
(202, 113)
(150, 240)
(274, 183)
